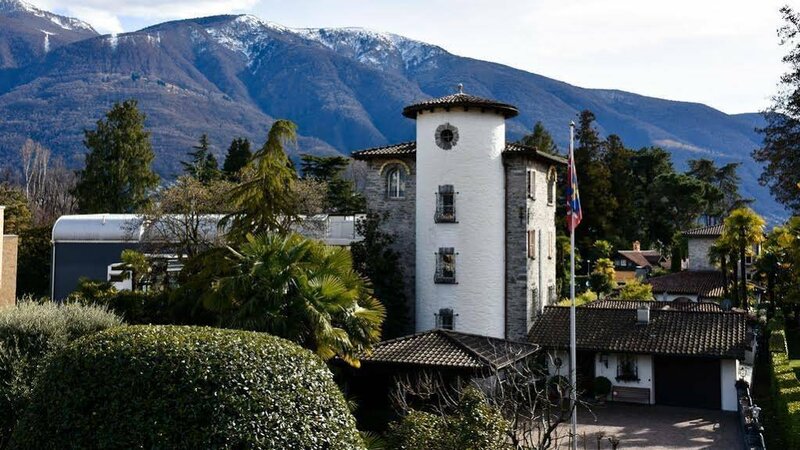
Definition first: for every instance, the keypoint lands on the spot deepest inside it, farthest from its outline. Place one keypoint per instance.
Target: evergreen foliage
(117, 176)
(779, 151)
(342, 197)
(301, 290)
(636, 290)
(34, 260)
(541, 139)
(375, 259)
(29, 332)
(264, 201)
(742, 229)
(186, 387)
(203, 164)
(17, 215)
(236, 159)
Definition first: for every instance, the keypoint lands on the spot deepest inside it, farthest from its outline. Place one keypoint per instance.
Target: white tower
(460, 213)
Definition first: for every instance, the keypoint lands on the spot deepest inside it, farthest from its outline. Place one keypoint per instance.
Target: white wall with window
(625, 369)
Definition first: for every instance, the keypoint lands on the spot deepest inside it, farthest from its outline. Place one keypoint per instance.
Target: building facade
(473, 217)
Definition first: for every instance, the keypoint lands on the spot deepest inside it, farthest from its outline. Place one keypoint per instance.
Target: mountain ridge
(232, 75)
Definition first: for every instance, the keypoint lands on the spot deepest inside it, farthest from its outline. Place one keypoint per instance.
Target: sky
(724, 53)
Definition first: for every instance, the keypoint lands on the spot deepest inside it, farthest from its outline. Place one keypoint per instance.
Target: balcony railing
(445, 267)
(445, 207)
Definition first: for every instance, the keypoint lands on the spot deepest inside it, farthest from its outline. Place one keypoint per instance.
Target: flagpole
(572, 352)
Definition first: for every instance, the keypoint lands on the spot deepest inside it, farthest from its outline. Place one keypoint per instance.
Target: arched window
(395, 183)
(551, 186)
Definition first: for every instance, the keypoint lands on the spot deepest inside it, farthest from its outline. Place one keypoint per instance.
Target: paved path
(658, 427)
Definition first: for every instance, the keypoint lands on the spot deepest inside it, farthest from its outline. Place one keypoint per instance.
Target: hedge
(186, 387)
(29, 332)
(785, 391)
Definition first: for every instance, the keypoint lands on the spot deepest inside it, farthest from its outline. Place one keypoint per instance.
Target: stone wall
(698, 253)
(529, 281)
(401, 221)
(8, 285)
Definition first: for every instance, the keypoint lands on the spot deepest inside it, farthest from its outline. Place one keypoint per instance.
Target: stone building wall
(525, 297)
(8, 285)
(698, 253)
(401, 221)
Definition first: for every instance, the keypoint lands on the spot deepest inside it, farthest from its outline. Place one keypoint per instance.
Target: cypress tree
(118, 174)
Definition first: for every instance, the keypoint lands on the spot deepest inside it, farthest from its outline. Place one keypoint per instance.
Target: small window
(396, 183)
(627, 368)
(551, 186)
(445, 204)
(550, 245)
(532, 244)
(551, 295)
(534, 303)
(445, 266)
(532, 184)
(445, 319)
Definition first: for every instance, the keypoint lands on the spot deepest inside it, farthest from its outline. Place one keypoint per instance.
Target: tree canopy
(117, 177)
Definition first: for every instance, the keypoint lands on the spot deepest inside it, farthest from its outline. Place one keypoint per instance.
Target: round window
(446, 136)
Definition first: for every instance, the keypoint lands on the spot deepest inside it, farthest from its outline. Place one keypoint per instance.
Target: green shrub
(785, 391)
(186, 387)
(777, 341)
(473, 425)
(602, 386)
(135, 307)
(30, 331)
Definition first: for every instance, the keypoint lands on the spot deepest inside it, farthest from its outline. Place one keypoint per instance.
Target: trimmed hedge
(785, 391)
(186, 387)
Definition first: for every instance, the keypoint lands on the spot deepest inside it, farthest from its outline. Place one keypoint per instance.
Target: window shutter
(532, 244)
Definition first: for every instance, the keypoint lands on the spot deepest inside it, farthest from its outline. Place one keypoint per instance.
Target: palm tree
(743, 229)
(301, 290)
(264, 201)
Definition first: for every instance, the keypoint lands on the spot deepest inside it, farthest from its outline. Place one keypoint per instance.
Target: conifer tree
(203, 165)
(541, 139)
(117, 177)
(238, 156)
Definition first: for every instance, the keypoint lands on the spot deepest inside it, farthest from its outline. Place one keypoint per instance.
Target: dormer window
(445, 319)
(445, 266)
(396, 183)
(445, 204)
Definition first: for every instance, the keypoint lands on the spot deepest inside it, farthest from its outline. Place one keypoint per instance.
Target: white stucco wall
(698, 253)
(475, 169)
(645, 370)
(728, 373)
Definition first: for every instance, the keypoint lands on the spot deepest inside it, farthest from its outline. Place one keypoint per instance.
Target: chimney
(642, 315)
(637, 246)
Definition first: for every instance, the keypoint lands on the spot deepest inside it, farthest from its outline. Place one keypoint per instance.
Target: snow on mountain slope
(67, 23)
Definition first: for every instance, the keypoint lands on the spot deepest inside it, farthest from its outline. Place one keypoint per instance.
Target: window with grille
(445, 266)
(532, 184)
(445, 319)
(627, 368)
(532, 244)
(551, 295)
(396, 183)
(445, 204)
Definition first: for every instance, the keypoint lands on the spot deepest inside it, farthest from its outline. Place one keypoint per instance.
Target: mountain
(231, 76)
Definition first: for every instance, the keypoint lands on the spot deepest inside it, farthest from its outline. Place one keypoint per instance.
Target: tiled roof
(461, 100)
(410, 149)
(703, 283)
(669, 332)
(644, 258)
(633, 304)
(711, 231)
(444, 348)
(405, 148)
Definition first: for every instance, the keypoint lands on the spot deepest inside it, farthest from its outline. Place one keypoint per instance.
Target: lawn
(793, 342)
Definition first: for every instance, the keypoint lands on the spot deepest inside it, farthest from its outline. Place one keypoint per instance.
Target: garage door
(689, 382)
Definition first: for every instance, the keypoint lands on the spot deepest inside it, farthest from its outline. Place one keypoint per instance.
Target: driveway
(657, 427)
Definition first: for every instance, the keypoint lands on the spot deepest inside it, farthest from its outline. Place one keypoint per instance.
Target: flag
(574, 213)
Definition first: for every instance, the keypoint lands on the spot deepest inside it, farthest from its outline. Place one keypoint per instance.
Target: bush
(636, 290)
(785, 390)
(135, 307)
(602, 386)
(30, 331)
(186, 387)
(474, 425)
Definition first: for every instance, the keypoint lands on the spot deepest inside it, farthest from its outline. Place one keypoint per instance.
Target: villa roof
(450, 349)
(410, 149)
(710, 231)
(720, 335)
(703, 283)
(460, 100)
(634, 304)
(644, 258)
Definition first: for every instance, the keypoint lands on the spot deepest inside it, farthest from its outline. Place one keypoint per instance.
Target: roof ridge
(466, 347)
